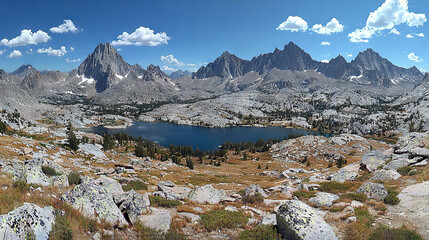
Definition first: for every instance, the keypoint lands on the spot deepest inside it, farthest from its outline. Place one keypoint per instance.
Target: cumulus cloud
(170, 59)
(325, 61)
(420, 35)
(413, 57)
(53, 52)
(409, 36)
(390, 14)
(72, 60)
(67, 26)
(15, 54)
(27, 37)
(2, 51)
(193, 69)
(142, 36)
(293, 24)
(333, 26)
(325, 43)
(349, 55)
(394, 31)
(71, 49)
(167, 68)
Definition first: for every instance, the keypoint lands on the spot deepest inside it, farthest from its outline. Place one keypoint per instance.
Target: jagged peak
(226, 54)
(290, 44)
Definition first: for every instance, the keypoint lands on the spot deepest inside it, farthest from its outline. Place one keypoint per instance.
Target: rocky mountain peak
(33, 80)
(153, 73)
(23, 71)
(102, 63)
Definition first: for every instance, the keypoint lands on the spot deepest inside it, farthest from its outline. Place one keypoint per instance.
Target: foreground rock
(372, 160)
(207, 194)
(373, 190)
(347, 173)
(95, 201)
(27, 220)
(170, 191)
(323, 199)
(253, 190)
(132, 204)
(298, 221)
(385, 175)
(159, 219)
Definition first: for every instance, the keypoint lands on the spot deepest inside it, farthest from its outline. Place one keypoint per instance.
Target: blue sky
(190, 33)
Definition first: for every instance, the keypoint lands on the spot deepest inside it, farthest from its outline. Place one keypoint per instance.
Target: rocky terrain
(310, 187)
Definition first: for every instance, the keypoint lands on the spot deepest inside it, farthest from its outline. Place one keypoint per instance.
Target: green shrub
(136, 185)
(304, 194)
(145, 233)
(252, 199)
(189, 163)
(406, 171)
(260, 232)
(334, 187)
(392, 197)
(401, 233)
(21, 185)
(162, 202)
(73, 178)
(61, 229)
(217, 219)
(360, 229)
(48, 171)
(361, 197)
(3, 127)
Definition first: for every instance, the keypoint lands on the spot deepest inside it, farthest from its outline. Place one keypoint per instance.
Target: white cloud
(15, 54)
(119, 49)
(333, 26)
(325, 61)
(413, 57)
(167, 68)
(26, 38)
(142, 37)
(349, 55)
(67, 26)
(53, 52)
(409, 36)
(170, 59)
(394, 31)
(71, 49)
(293, 24)
(72, 60)
(420, 35)
(325, 43)
(2, 51)
(193, 69)
(387, 16)
(29, 51)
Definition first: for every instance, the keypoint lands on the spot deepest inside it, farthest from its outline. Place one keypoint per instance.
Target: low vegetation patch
(136, 185)
(334, 187)
(401, 233)
(406, 171)
(162, 202)
(260, 232)
(361, 197)
(218, 219)
(304, 194)
(61, 230)
(145, 233)
(361, 229)
(392, 197)
(253, 199)
(73, 178)
(49, 171)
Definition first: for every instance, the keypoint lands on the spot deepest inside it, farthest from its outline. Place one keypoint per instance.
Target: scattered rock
(207, 194)
(298, 221)
(268, 219)
(29, 219)
(371, 160)
(385, 175)
(254, 189)
(159, 219)
(111, 185)
(132, 204)
(323, 199)
(373, 190)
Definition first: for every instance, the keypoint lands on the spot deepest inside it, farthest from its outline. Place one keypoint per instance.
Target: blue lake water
(203, 138)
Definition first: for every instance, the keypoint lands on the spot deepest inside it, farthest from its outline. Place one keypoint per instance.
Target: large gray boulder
(27, 220)
(170, 191)
(411, 141)
(298, 221)
(323, 199)
(132, 204)
(159, 219)
(371, 160)
(111, 185)
(91, 149)
(385, 175)
(373, 190)
(207, 194)
(347, 173)
(96, 202)
(254, 189)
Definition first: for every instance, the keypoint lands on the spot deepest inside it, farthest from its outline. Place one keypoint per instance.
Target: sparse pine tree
(72, 139)
(189, 163)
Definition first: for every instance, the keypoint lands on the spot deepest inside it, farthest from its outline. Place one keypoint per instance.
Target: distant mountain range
(368, 67)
